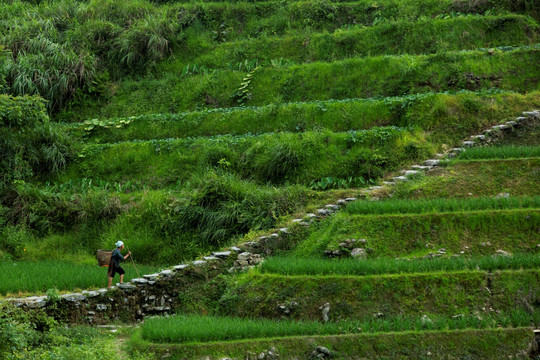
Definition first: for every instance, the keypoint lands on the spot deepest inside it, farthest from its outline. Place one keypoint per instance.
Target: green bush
(21, 331)
(29, 143)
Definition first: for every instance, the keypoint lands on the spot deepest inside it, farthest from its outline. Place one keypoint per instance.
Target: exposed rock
(320, 353)
(90, 294)
(325, 310)
(479, 137)
(270, 354)
(501, 252)
(167, 273)
(432, 162)
(411, 172)
(468, 144)
(457, 150)
(533, 114)
(399, 178)
(73, 297)
(199, 263)
(333, 253)
(359, 253)
(222, 254)
(350, 199)
(139, 281)
(244, 256)
(502, 196)
(245, 261)
(126, 286)
(426, 320)
(210, 258)
(37, 302)
(421, 167)
(179, 267)
(511, 123)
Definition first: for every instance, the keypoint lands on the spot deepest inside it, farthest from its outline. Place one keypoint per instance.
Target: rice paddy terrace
(271, 157)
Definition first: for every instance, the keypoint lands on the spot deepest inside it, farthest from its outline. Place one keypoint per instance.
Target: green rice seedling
(38, 276)
(401, 206)
(500, 152)
(314, 266)
(196, 328)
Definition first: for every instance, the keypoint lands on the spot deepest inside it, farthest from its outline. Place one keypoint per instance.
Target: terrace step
(337, 297)
(496, 344)
(356, 78)
(422, 233)
(369, 41)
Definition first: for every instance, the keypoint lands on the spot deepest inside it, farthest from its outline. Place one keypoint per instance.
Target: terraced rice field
(260, 111)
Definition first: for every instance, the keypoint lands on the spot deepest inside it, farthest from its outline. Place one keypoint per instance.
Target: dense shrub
(21, 331)
(30, 145)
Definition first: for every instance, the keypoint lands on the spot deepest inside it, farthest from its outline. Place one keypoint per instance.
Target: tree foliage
(30, 145)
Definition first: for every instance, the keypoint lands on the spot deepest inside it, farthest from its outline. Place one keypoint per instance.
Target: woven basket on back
(104, 257)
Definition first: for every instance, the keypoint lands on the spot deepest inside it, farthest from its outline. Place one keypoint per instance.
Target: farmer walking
(116, 259)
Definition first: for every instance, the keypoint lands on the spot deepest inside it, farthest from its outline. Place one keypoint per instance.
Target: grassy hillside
(183, 127)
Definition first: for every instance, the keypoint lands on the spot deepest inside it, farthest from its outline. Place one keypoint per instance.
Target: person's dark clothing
(114, 266)
(117, 257)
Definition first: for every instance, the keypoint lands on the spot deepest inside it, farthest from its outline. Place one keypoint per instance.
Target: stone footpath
(157, 294)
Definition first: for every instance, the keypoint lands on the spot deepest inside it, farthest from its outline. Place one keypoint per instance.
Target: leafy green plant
(243, 94)
(220, 34)
(94, 125)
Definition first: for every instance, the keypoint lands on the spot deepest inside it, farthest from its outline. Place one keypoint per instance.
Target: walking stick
(136, 270)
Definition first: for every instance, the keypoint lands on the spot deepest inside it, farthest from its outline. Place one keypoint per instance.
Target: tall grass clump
(500, 152)
(39, 276)
(196, 328)
(307, 266)
(401, 206)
